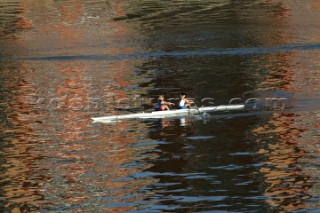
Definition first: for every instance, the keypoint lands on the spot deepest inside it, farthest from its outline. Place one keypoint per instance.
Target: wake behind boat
(170, 113)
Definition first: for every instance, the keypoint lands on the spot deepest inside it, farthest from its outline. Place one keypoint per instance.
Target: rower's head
(161, 97)
(183, 95)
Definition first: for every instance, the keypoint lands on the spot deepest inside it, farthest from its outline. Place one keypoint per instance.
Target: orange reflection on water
(92, 161)
(286, 186)
(288, 139)
(20, 139)
(24, 23)
(79, 162)
(69, 15)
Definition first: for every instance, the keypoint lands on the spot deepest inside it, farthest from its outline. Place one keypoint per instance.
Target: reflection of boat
(170, 113)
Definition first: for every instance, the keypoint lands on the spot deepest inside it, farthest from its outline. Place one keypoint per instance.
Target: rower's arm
(188, 101)
(169, 103)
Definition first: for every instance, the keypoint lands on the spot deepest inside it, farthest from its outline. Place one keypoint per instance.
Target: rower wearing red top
(162, 104)
(184, 103)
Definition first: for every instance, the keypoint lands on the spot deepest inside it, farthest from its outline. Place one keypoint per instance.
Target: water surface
(62, 62)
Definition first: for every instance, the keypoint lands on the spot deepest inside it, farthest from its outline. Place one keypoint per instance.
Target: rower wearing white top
(184, 103)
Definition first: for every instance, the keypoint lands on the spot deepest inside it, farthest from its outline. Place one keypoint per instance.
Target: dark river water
(63, 62)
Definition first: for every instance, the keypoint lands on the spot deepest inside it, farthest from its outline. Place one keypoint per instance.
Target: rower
(184, 103)
(162, 104)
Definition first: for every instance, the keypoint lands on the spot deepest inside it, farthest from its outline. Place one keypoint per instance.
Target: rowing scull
(170, 113)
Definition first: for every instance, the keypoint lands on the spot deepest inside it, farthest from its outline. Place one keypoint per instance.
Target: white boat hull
(170, 113)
